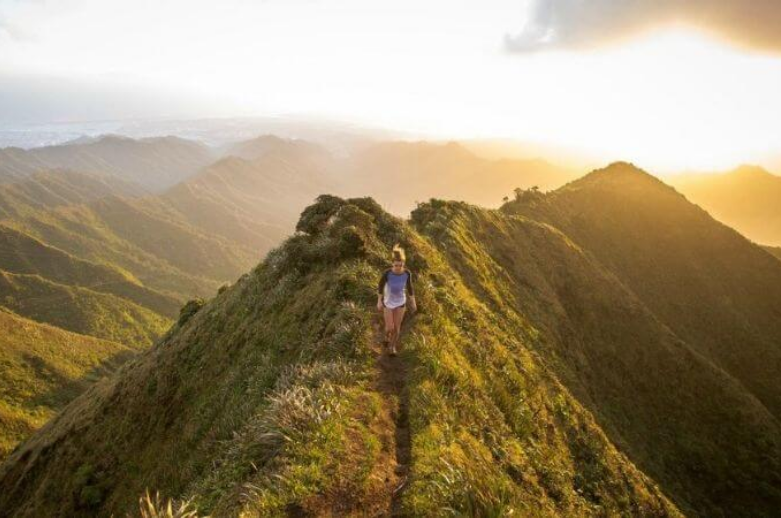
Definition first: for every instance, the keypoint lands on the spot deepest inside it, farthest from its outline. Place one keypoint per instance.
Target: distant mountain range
(153, 163)
(400, 174)
(254, 200)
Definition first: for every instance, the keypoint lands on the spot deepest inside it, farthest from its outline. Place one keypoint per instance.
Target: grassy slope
(715, 289)
(16, 164)
(120, 243)
(707, 441)
(160, 252)
(47, 189)
(22, 254)
(537, 383)
(256, 202)
(102, 220)
(153, 226)
(80, 310)
(292, 427)
(42, 368)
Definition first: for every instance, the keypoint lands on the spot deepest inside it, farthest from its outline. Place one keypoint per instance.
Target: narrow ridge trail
(391, 384)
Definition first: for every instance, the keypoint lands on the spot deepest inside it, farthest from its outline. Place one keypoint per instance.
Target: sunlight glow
(674, 98)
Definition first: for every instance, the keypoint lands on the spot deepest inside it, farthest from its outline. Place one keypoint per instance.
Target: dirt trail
(391, 383)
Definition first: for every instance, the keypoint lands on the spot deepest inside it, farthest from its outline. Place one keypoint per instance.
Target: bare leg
(398, 318)
(389, 327)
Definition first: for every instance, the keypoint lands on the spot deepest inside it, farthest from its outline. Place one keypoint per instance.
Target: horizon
(676, 88)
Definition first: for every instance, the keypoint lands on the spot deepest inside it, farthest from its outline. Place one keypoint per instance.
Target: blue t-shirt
(394, 288)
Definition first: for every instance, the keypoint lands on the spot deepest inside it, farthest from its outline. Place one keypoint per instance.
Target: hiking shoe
(393, 351)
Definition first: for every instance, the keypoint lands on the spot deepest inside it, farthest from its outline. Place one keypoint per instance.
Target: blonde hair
(398, 253)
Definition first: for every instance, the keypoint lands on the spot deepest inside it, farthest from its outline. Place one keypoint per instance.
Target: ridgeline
(540, 378)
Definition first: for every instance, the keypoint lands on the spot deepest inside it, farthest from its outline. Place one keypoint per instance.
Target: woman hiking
(393, 293)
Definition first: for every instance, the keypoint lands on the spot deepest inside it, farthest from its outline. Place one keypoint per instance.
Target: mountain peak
(109, 138)
(623, 169)
(264, 145)
(624, 176)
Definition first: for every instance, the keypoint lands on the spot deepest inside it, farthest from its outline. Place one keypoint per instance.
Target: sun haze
(681, 90)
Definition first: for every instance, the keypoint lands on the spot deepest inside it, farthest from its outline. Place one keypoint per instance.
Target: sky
(669, 85)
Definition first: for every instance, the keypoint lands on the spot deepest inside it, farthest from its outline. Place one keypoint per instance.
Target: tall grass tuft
(155, 507)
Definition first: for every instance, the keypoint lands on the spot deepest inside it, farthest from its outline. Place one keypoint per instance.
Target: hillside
(776, 251)
(254, 201)
(48, 189)
(674, 256)
(533, 382)
(747, 199)
(43, 368)
(188, 240)
(95, 255)
(153, 163)
(146, 238)
(80, 310)
(22, 254)
(135, 255)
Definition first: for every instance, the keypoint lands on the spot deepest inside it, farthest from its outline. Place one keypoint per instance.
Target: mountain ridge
(624, 225)
(329, 373)
(538, 378)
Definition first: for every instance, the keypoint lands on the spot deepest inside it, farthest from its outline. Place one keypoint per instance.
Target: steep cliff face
(533, 380)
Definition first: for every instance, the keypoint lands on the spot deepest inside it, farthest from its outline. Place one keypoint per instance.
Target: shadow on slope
(689, 425)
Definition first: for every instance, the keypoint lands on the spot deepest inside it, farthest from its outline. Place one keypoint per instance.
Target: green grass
(538, 384)
(42, 369)
(22, 254)
(77, 255)
(265, 403)
(80, 310)
(154, 248)
(144, 238)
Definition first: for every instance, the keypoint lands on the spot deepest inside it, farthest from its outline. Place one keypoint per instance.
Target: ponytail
(398, 253)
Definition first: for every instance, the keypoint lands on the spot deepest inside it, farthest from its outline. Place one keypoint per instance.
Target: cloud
(587, 23)
(13, 15)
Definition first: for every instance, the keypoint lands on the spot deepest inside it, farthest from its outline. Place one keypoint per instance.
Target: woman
(394, 289)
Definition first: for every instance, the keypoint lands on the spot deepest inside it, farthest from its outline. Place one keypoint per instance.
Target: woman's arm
(381, 290)
(411, 292)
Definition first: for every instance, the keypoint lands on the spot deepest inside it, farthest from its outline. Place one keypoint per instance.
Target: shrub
(189, 309)
(316, 217)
